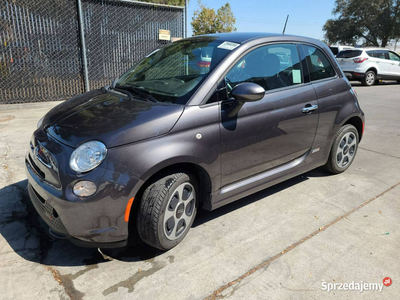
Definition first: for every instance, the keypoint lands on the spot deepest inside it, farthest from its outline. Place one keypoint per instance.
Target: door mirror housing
(242, 93)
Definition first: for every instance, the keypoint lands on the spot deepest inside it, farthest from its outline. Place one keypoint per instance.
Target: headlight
(87, 156)
(40, 122)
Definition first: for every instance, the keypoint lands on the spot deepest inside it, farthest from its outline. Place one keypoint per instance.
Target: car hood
(109, 117)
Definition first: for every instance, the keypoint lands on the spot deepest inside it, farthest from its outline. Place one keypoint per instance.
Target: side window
(272, 67)
(318, 63)
(372, 54)
(380, 54)
(394, 56)
(386, 54)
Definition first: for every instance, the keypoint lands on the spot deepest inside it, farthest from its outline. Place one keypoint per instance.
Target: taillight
(359, 60)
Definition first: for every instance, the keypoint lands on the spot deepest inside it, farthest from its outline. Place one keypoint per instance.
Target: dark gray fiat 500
(196, 124)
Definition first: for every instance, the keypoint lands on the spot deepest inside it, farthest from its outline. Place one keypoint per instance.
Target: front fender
(195, 139)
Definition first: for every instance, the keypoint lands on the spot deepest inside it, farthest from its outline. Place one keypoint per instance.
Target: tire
(369, 78)
(398, 81)
(343, 150)
(167, 210)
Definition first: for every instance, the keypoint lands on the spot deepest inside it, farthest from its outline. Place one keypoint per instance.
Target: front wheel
(343, 150)
(167, 210)
(369, 78)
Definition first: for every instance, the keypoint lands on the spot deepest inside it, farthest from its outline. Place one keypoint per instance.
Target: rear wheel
(343, 150)
(369, 78)
(398, 81)
(167, 210)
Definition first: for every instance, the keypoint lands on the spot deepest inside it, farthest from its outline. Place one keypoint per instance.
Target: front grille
(46, 211)
(43, 162)
(35, 167)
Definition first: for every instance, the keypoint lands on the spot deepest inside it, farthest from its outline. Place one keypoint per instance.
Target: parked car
(368, 65)
(169, 137)
(336, 49)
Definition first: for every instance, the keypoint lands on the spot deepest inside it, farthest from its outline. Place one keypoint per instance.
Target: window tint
(394, 56)
(272, 67)
(349, 53)
(318, 63)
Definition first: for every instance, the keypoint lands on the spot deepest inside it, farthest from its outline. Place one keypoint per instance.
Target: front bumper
(57, 228)
(98, 222)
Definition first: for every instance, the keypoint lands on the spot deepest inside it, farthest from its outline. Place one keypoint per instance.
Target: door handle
(308, 109)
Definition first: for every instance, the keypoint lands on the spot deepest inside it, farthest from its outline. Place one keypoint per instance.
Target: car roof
(371, 48)
(242, 37)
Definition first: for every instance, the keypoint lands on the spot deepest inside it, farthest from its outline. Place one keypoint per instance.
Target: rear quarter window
(349, 53)
(334, 50)
(318, 64)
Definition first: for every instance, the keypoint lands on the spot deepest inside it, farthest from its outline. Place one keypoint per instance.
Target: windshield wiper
(145, 94)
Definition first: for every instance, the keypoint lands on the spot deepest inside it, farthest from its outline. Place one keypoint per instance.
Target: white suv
(368, 65)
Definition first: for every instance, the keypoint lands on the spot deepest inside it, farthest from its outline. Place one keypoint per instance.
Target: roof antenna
(284, 28)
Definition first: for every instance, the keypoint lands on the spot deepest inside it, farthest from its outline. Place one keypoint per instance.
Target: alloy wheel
(346, 150)
(370, 78)
(179, 211)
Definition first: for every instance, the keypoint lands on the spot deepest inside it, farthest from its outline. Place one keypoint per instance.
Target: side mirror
(242, 93)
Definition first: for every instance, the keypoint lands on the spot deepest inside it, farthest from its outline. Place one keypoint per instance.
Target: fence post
(186, 17)
(83, 46)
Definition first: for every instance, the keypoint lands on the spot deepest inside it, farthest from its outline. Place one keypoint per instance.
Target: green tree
(205, 20)
(376, 21)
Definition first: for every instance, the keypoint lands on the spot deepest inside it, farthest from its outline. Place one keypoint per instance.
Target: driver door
(274, 130)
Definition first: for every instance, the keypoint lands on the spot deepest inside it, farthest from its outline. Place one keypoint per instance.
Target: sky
(306, 17)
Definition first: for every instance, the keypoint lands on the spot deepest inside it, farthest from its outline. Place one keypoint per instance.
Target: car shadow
(205, 216)
(28, 236)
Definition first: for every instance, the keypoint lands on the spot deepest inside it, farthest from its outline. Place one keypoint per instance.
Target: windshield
(173, 73)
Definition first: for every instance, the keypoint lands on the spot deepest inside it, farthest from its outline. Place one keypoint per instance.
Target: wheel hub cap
(179, 211)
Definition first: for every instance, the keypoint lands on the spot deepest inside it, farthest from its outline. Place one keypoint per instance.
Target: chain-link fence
(41, 57)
